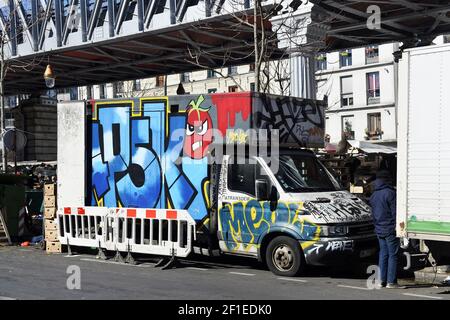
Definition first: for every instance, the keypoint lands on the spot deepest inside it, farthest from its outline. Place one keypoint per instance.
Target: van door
(241, 215)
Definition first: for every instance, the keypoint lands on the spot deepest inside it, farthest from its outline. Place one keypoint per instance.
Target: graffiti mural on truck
(299, 121)
(138, 161)
(154, 152)
(244, 223)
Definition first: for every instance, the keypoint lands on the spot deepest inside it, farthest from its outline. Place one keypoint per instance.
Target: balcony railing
(373, 96)
(374, 135)
(372, 59)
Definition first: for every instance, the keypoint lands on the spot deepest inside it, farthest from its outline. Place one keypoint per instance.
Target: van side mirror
(262, 190)
(274, 197)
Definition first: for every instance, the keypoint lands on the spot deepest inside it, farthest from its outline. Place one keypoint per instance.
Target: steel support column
(111, 18)
(12, 28)
(83, 8)
(173, 7)
(140, 8)
(35, 24)
(58, 22)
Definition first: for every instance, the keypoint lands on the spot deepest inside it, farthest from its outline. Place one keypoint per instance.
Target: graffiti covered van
(235, 163)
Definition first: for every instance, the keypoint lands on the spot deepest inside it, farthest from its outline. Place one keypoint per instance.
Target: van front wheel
(284, 257)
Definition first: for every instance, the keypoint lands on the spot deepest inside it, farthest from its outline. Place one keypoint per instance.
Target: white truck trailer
(423, 176)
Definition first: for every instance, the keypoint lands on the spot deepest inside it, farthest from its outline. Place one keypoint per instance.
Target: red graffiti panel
(229, 106)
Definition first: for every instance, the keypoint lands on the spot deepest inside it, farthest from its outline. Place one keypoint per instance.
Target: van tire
(284, 257)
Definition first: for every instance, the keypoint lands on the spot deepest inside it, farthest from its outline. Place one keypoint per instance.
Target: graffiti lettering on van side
(331, 246)
(244, 223)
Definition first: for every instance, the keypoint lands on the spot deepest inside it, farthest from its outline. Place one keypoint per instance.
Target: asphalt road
(28, 273)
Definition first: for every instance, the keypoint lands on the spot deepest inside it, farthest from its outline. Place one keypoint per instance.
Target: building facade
(359, 84)
(232, 79)
(360, 87)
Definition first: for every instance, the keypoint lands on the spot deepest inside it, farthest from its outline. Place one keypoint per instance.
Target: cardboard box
(51, 235)
(50, 213)
(53, 247)
(49, 201)
(50, 189)
(50, 225)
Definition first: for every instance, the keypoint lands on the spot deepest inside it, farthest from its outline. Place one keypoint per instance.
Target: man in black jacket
(383, 203)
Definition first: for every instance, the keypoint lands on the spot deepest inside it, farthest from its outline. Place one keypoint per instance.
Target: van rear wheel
(284, 257)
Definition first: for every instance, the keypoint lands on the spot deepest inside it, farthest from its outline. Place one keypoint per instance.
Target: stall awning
(371, 148)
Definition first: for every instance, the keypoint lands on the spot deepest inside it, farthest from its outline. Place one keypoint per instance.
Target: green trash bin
(12, 201)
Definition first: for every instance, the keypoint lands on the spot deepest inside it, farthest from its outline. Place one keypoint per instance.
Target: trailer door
(424, 190)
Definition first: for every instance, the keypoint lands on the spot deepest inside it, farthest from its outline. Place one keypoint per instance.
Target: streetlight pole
(2, 107)
(256, 45)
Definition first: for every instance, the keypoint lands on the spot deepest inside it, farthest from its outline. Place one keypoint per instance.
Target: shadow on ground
(357, 270)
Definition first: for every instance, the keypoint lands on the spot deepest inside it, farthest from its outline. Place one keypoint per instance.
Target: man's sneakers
(394, 286)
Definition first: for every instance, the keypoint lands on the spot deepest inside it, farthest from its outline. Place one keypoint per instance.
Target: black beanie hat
(384, 175)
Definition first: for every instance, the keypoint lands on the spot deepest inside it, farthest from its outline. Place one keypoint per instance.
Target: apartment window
(89, 92)
(372, 54)
(9, 117)
(347, 127)
(118, 89)
(212, 90)
(160, 81)
(346, 91)
(232, 70)
(447, 38)
(252, 67)
(137, 85)
(345, 58)
(321, 62)
(233, 89)
(211, 74)
(374, 131)
(102, 89)
(73, 93)
(9, 121)
(11, 101)
(373, 88)
(252, 87)
(185, 77)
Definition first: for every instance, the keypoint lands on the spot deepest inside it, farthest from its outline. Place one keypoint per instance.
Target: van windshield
(300, 172)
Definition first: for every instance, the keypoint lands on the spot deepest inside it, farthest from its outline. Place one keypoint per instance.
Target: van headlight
(328, 231)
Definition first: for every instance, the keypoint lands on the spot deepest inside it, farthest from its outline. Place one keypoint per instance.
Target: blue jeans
(389, 247)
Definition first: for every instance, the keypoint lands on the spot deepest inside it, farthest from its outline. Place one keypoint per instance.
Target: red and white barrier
(153, 231)
(81, 226)
(149, 231)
